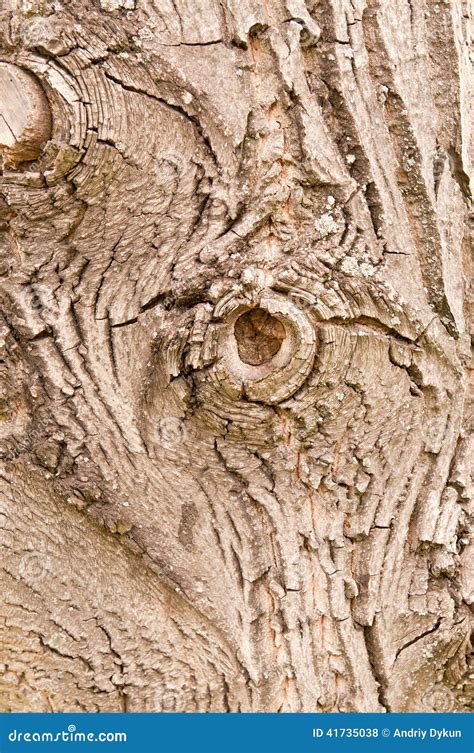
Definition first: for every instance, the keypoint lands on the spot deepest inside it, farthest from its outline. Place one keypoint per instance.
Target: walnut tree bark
(234, 408)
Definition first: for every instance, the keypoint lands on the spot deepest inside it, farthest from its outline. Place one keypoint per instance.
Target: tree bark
(234, 408)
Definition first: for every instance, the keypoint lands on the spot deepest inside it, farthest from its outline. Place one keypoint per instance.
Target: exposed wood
(234, 399)
(25, 118)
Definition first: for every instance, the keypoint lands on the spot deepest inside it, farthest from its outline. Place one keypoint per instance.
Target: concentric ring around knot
(266, 347)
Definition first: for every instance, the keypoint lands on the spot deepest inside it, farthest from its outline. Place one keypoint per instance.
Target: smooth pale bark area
(234, 402)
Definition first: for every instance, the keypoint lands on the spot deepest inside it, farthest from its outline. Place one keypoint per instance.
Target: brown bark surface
(234, 412)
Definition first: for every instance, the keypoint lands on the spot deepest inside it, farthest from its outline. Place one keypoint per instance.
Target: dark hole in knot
(259, 336)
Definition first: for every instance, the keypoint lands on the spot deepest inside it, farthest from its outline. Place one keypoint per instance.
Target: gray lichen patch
(326, 225)
(117, 4)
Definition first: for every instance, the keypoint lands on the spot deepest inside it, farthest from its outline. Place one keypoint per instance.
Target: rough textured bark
(234, 410)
